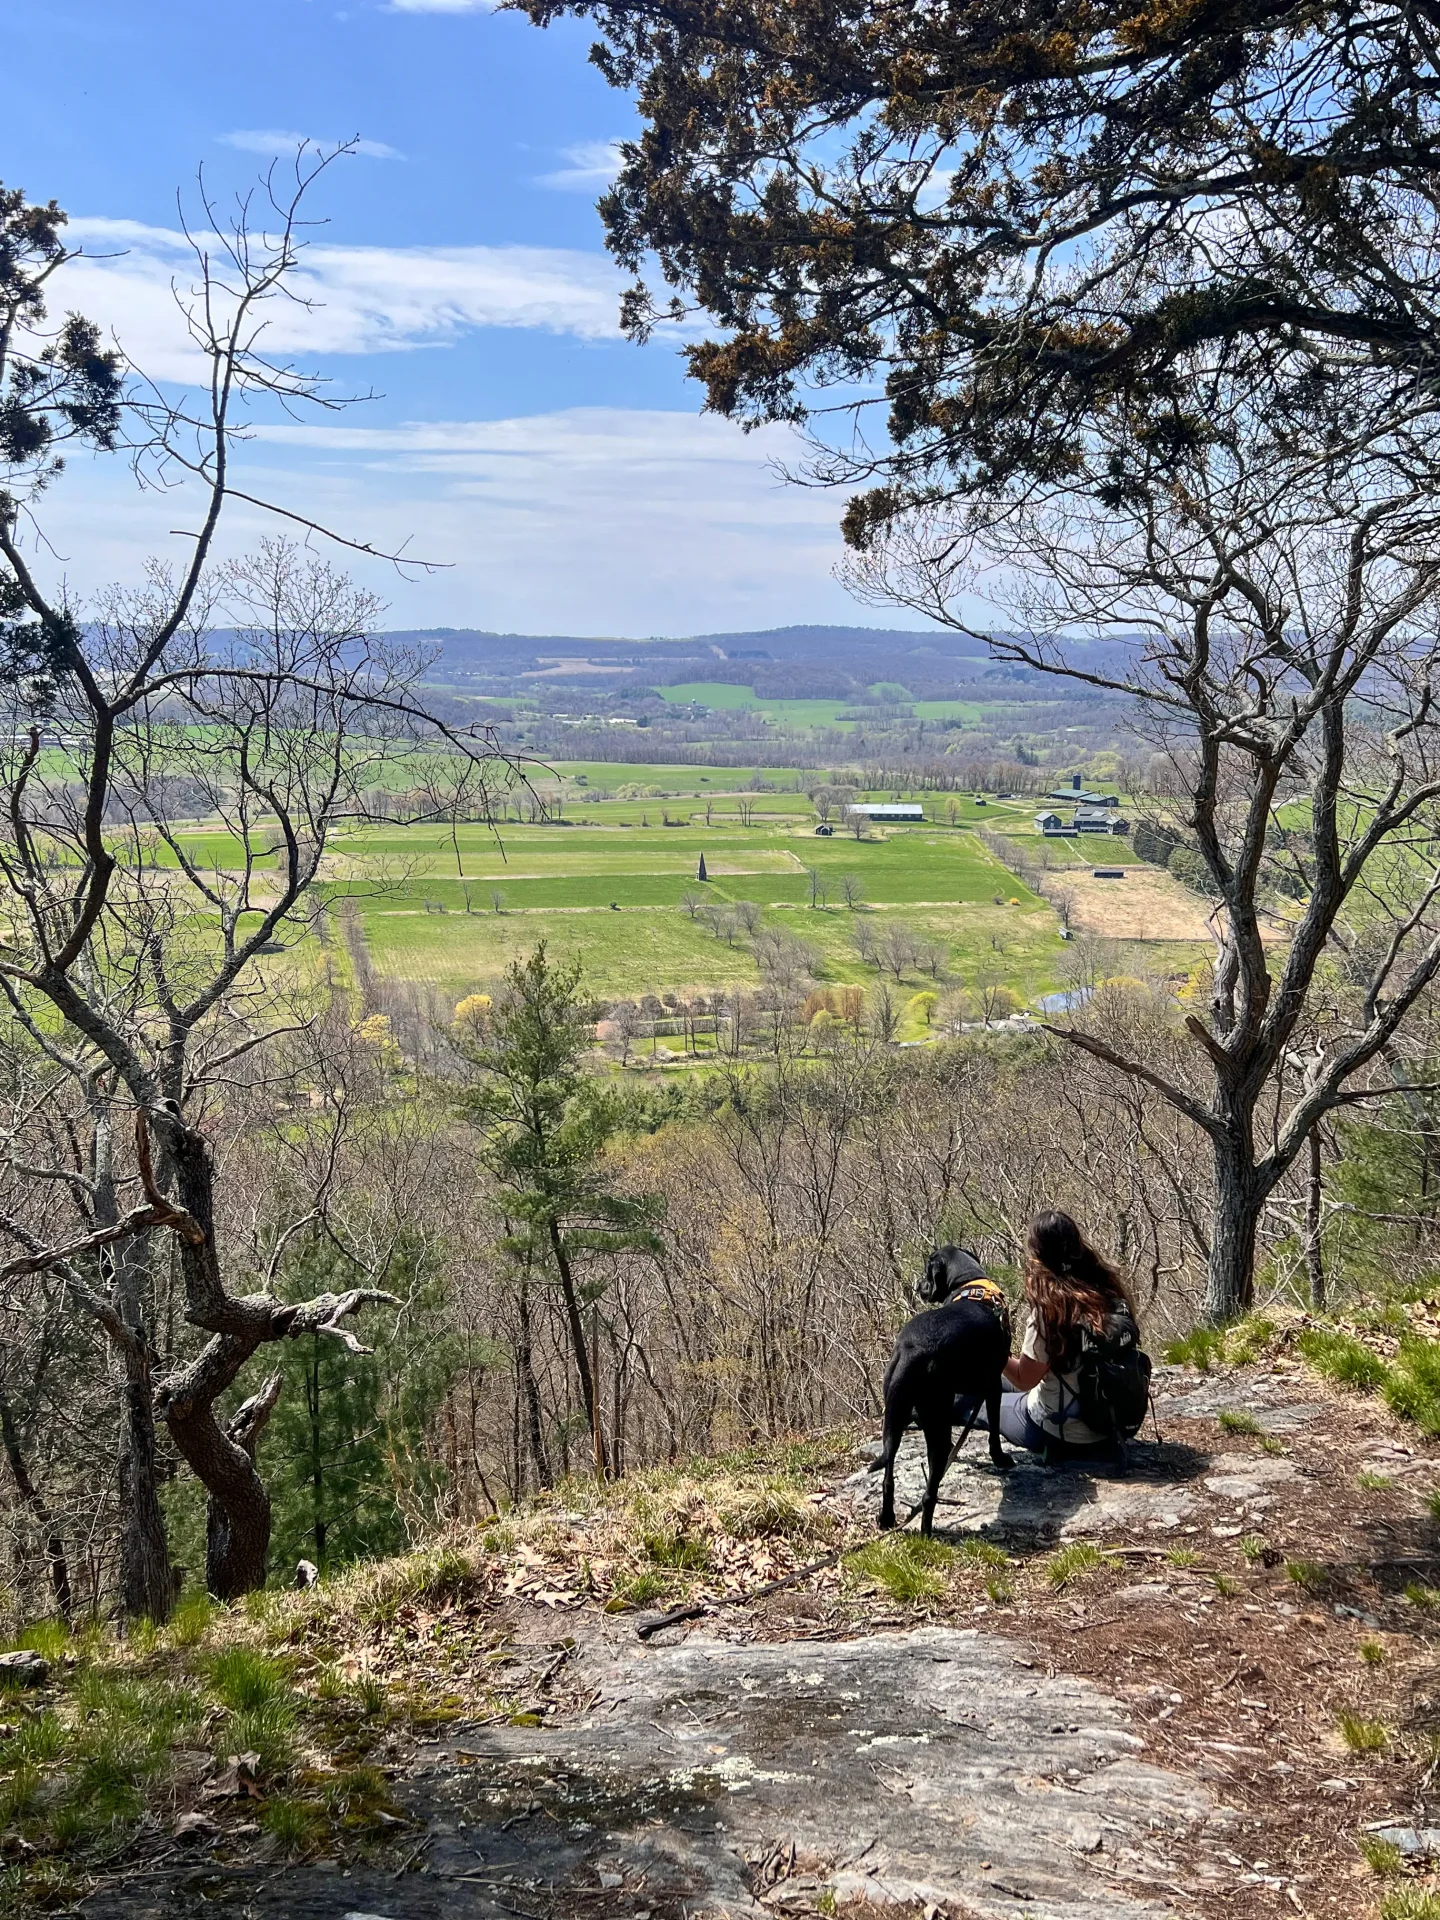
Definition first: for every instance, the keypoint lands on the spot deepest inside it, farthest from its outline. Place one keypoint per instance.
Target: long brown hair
(1068, 1285)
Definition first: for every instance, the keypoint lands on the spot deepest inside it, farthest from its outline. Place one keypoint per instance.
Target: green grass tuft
(1253, 1547)
(1373, 1482)
(106, 1783)
(1342, 1358)
(1381, 1856)
(975, 1552)
(1226, 1586)
(295, 1825)
(36, 1741)
(246, 1681)
(356, 1794)
(262, 1708)
(267, 1731)
(677, 1550)
(1361, 1735)
(1236, 1345)
(19, 1790)
(1308, 1575)
(1201, 1348)
(1236, 1420)
(49, 1638)
(1432, 1503)
(190, 1622)
(370, 1695)
(330, 1683)
(1413, 1386)
(1410, 1903)
(68, 1826)
(1074, 1563)
(1373, 1653)
(1182, 1557)
(142, 1636)
(910, 1567)
(640, 1589)
(769, 1511)
(1247, 1340)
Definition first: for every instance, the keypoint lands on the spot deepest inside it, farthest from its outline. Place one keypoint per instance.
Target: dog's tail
(899, 1412)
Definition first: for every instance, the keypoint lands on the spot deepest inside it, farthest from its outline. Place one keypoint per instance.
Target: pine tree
(545, 1124)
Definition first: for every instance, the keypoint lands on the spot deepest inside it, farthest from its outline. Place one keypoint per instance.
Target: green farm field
(725, 697)
(664, 776)
(612, 883)
(615, 895)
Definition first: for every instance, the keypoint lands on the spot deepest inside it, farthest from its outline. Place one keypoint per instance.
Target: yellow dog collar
(990, 1292)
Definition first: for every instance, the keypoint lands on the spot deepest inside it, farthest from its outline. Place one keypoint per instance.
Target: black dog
(954, 1352)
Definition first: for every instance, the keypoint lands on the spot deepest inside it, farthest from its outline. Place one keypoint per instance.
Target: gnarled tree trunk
(237, 1537)
(1241, 1190)
(237, 1512)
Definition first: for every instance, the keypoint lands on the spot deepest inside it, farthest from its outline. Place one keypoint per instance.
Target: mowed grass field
(611, 881)
(615, 895)
(725, 697)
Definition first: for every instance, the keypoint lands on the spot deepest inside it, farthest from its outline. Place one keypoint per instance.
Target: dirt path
(1156, 1730)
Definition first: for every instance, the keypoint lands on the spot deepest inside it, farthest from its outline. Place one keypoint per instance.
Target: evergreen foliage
(1190, 870)
(1016, 221)
(345, 1452)
(545, 1125)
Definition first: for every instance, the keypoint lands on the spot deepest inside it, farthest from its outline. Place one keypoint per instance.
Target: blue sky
(566, 476)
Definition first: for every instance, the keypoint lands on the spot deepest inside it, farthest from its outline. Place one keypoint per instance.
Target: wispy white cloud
(362, 299)
(441, 6)
(268, 140)
(591, 165)
(590, 520)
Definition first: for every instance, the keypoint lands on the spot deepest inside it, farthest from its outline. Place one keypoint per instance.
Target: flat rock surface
(929, 1765)
(1155, 1490)
(1269, 1398)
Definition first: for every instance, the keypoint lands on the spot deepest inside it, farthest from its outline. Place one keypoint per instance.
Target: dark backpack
(1112, 1376)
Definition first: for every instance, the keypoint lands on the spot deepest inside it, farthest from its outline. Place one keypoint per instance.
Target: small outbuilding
(1099, 820)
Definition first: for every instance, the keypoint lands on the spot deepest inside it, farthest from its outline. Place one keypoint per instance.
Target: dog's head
(945, 1270)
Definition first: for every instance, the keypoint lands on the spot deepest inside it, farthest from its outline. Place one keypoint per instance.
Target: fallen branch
(698, 1608)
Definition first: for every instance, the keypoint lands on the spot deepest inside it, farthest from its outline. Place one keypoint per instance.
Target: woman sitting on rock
(1080, 1381)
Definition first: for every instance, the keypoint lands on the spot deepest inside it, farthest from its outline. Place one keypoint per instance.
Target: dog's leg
(897, 1415)
(999, 1459)
(937, 1448)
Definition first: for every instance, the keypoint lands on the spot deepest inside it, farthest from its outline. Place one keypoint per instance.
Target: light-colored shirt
(1057, 1394)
